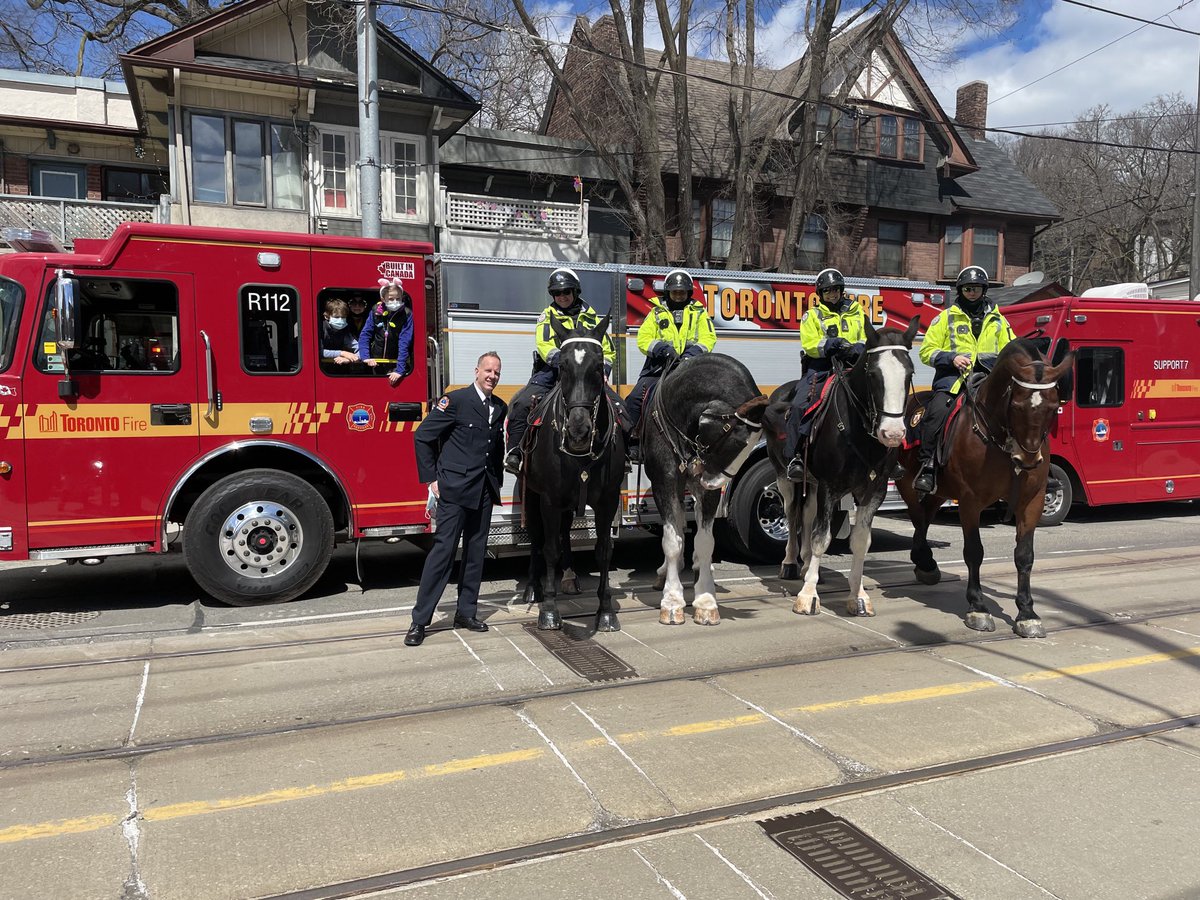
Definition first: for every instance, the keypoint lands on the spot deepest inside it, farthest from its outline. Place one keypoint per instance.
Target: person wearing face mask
(388, 334)
(677, 326)
(358, 314)
(832, 330)
(338, 344)
(571, 311)
(966, 337)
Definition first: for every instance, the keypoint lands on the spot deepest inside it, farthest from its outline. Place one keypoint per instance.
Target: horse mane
(1018, 353)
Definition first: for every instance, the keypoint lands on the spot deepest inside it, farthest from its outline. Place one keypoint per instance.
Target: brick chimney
(971, 109)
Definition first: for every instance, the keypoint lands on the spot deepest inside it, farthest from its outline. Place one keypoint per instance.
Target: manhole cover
(849, 861)
(582, 655)
(45, 620)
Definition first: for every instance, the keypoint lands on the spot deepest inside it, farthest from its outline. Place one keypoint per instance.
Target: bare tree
(1123, 185)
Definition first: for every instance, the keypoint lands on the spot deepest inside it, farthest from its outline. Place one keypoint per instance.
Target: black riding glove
(836, 347)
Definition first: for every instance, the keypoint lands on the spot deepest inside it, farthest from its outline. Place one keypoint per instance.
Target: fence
(506, 215)
(67, 220)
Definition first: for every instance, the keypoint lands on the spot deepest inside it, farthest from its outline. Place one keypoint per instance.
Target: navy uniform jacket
(457, 448)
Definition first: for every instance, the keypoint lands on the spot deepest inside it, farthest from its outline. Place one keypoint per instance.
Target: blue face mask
(337, 324)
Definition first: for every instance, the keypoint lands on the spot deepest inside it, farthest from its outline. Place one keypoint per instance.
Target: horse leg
(859, 601)
(704, 607)
(978, 618)
(671, 611)
(537, 556)
(570, 580)
(606, 613)
(807, 602)
(548, 615)
(920, 513)
(789, 570)
(1028, 512)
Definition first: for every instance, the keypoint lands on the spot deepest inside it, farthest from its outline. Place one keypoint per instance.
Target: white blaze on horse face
(579, 354)
(1036, 400)
(891, 428)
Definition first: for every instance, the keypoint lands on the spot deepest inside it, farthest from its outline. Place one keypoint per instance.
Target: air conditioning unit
(1129, 290)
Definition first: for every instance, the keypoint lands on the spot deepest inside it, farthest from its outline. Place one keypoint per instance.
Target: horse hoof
(569, 586)
(607, 622)
(709, 616)
(932, 576)
(980, 621)
(789, 572)
(1029, 628)
(671, 616)
(807, 606)
(860, 607)
(549, 621)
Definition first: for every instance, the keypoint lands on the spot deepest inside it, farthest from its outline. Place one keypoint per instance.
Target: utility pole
(1194, 266)
(368, 121)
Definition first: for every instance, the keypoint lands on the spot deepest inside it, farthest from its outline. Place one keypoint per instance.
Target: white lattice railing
(67, 220)
(479, 212)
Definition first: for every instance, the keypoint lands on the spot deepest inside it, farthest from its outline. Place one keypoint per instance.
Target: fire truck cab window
(1100, 376)
(270, 316)
(11, 296)
(125, 325)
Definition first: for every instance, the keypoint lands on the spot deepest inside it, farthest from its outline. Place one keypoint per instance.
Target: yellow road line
(18, 833)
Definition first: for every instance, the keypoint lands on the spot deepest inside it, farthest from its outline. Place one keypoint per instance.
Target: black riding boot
(923, 483)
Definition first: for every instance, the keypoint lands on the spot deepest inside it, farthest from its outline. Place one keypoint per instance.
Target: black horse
(852, 450)
(996, 450)
(578, 456)
(702, 423)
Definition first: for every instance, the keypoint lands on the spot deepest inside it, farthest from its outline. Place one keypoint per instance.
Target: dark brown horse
(996, 451)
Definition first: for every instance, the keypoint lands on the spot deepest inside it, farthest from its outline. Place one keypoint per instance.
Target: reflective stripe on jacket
(659, 325)
(814, 331)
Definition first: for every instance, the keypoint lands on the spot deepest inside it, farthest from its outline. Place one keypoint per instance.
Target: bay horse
(852, 450)
(701, 424)
(577, 456)
(996, 449)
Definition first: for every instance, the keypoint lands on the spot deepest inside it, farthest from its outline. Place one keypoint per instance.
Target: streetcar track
(767, 806)
(517, 700)
(635, 609)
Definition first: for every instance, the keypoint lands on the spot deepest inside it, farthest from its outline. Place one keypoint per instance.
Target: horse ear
(602, 326)
(872, 334)
(911, 331)
(559, 331)
(753, 410)
(1064, 375)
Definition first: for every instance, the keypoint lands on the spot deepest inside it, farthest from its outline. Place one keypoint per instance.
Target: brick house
(912, 193)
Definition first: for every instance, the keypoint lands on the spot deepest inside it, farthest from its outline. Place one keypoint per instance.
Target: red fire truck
(1131, 432)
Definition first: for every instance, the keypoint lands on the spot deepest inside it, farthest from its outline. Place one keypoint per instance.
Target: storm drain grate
(582, 655)
(849, 861)
(46, 620)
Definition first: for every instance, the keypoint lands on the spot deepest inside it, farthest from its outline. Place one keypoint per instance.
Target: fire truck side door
(369, 437)
(13, 531)
(1101, 423)
(100, 463)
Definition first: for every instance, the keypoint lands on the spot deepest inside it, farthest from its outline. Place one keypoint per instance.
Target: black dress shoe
(471, 624)
(416, 634)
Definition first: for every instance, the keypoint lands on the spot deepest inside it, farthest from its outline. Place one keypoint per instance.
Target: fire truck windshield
(12, 295)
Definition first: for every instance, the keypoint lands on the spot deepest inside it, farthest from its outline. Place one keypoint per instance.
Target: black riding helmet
(828, 279)
(563, 280)
(677, 280)
(976, 309)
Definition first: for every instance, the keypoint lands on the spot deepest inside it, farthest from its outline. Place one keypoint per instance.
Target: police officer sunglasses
(562, 292)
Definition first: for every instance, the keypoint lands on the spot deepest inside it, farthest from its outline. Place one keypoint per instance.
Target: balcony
(67, 220)
(485, 225)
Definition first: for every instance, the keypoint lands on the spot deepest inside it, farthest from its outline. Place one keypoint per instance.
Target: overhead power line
(1155, 22)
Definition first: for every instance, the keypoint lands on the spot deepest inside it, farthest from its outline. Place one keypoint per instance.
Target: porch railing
(507, 215)
(67, 220)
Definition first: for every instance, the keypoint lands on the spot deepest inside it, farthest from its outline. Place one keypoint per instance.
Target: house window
(813, 243)
(66, 182)
(287, 180)
(912, 140)
(334, 173)
(867, 131)
(249, 164)
(846, 137)
(208, 159)
(952, 245)
(891, 248)
(722, 227)
(134, 186)
(404, 178)
(824, 118)
(887, 137)
(985, 249)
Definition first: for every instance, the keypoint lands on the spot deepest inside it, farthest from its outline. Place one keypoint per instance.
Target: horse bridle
(596, 451)
(678, 440)
(871, 415)
(986, 431)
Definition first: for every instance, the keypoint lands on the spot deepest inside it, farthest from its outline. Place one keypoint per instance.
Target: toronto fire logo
(360, 417)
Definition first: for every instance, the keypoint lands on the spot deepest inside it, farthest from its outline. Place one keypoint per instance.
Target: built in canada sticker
(360, 417)
(1100, 430)
(394, 268)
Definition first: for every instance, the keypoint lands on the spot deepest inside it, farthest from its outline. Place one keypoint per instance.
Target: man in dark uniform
(460, 455)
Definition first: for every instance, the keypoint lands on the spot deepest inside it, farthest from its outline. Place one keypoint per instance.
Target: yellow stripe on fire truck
(1160, 388)
(123, 420)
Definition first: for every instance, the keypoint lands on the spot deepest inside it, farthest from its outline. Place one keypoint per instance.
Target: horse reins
(698, 450)
(985, 433)
(596, 451)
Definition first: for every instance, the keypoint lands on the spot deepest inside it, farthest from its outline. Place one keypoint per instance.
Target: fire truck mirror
(66, 295)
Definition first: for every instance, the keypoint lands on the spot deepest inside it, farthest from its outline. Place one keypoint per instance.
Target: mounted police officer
(677, 326)
(968, 335)
(568, 308)
(388, 333)
(831, 330)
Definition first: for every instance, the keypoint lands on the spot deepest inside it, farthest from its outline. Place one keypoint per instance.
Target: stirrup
(795, 469)
(923, 483)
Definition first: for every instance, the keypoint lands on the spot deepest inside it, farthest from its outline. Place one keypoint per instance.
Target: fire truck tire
(755, 524)
(1058, 502)
(260, 536)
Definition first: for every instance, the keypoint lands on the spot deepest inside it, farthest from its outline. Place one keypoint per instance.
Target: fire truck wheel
(1058, 501)
(755, 524)
(260, 536)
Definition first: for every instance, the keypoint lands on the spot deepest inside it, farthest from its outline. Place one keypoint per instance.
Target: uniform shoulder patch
(916, 418)
(443, 403)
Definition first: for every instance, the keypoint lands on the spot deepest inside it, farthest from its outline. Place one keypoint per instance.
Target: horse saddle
(636, 429)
